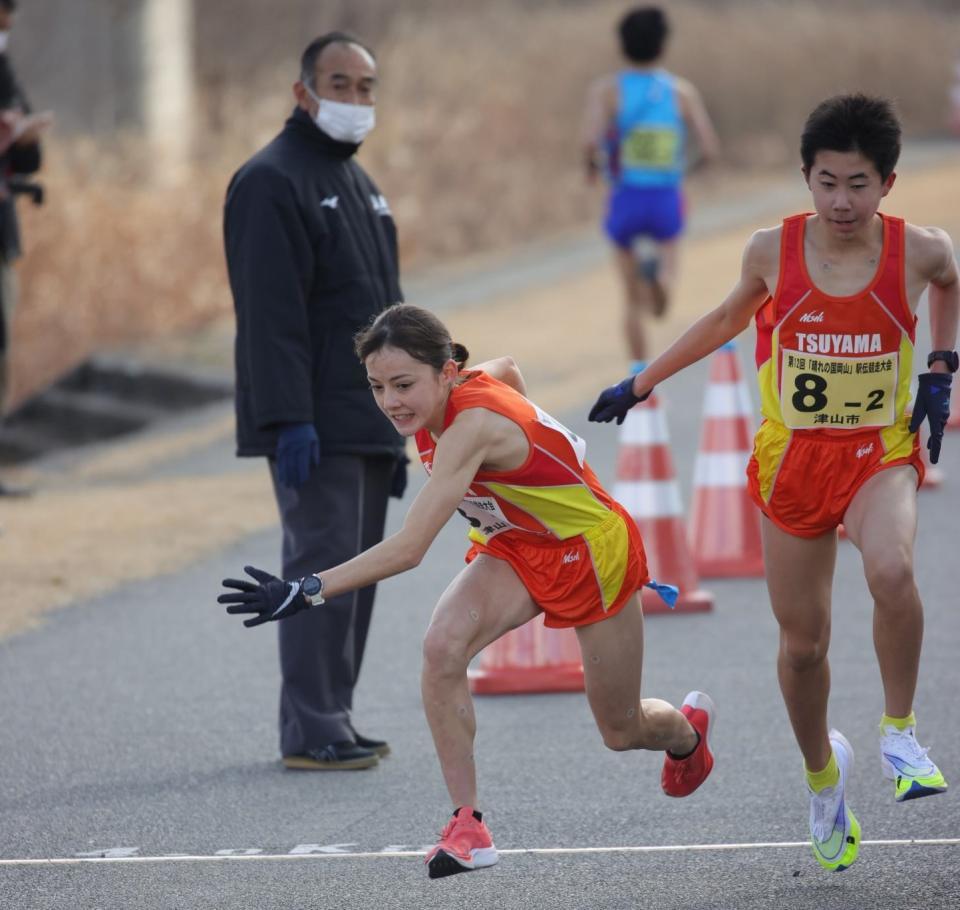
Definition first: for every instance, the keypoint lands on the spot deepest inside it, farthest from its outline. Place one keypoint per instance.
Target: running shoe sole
(444, 864)
(917, 788)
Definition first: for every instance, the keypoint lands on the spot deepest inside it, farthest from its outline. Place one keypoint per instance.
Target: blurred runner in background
(636, 129)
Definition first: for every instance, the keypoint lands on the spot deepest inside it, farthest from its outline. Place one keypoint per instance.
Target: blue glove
(270, 599)
(615, 402)
(298, 450)
(932, 402)
(398, 484)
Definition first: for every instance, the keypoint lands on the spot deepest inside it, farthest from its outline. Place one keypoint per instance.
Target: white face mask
(344, 122)
(4, 41)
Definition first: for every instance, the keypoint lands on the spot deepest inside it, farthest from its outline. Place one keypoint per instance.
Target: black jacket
(312, 255)
(18, 159)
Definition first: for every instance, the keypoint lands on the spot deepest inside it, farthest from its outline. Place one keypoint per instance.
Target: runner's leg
(882, 523)
(638, 303)
(612, 652)
(799, 574)
(668, 254)
(483, 602)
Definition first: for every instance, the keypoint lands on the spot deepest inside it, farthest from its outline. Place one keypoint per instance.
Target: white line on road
(390, 854)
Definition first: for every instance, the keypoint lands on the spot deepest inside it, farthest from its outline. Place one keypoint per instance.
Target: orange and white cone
(646, 486)
(725, 522)
(530, 659)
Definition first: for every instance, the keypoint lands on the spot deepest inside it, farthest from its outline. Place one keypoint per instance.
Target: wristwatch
(311, 586)
(950, 358)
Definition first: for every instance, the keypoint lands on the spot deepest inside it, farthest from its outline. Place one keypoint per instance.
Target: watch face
(311, 585)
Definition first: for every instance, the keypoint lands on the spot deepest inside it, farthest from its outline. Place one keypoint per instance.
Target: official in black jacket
(311, 252)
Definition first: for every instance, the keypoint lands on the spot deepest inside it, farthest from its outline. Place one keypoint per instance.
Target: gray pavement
(142, 725)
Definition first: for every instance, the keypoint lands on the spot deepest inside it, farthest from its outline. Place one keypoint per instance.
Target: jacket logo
(380, 205)
(864, 450)
(330, 202)
(812, 317)
(572, 556)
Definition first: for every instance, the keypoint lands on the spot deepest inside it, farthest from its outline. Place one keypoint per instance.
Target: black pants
(337, 513)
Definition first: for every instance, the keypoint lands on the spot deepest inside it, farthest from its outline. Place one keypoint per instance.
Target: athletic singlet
(648, 148)
(834, 365)
(553, 496)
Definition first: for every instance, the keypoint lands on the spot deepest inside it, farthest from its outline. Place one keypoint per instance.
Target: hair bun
(459, 353)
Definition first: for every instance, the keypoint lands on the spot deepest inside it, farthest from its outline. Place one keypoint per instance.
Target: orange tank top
(836, 364)
(553, 495)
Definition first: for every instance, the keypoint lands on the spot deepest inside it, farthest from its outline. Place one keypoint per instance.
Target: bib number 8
(809, 396)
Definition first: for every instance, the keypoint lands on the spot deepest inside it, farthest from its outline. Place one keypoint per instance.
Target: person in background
(20, 156)
(636, 127)
(311, 252)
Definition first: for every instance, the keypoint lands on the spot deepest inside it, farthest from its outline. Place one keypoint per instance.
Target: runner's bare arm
(757, 273)
(459, 454)
(943, 294)
(506, 370)
(600, 110)
(698, 122)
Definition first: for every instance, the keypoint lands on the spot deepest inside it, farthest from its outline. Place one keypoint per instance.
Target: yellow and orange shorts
(804, 481)
(580, 580)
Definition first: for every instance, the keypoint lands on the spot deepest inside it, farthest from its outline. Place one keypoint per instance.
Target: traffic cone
(647, 488)
(724, 521)
(529, 659)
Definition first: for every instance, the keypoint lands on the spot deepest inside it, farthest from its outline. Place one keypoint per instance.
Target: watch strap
(950, 358)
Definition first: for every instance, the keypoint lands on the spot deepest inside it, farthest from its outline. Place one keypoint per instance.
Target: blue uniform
(646, 159)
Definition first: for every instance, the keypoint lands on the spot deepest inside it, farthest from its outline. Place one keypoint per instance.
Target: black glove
(270, 599)
(615, 402)
(399, 483)
(932, 402)
(298, 450)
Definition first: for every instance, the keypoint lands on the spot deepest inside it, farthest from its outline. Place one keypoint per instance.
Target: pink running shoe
(465, 844)
(681, 776)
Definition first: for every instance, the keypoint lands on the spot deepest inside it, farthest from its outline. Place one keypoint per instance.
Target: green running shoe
(905, 762)
(834, 831)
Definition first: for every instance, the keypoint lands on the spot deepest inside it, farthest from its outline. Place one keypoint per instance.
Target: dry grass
(477, 144)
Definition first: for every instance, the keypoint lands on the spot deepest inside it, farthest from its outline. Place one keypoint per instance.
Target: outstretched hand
(615, 401)
(933, 403)
(270, 599)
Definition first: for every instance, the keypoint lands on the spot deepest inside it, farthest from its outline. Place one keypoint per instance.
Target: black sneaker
(345, 756)
(380, 746)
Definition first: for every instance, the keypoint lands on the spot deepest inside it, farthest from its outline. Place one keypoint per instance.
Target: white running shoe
(904, 761)
(834, 830)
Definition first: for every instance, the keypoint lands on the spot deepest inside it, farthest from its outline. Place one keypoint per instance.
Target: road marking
(122, 854)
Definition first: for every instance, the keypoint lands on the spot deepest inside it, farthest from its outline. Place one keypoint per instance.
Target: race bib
(846, 393)
(576, 443)
(649, 148)
(485, 516)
